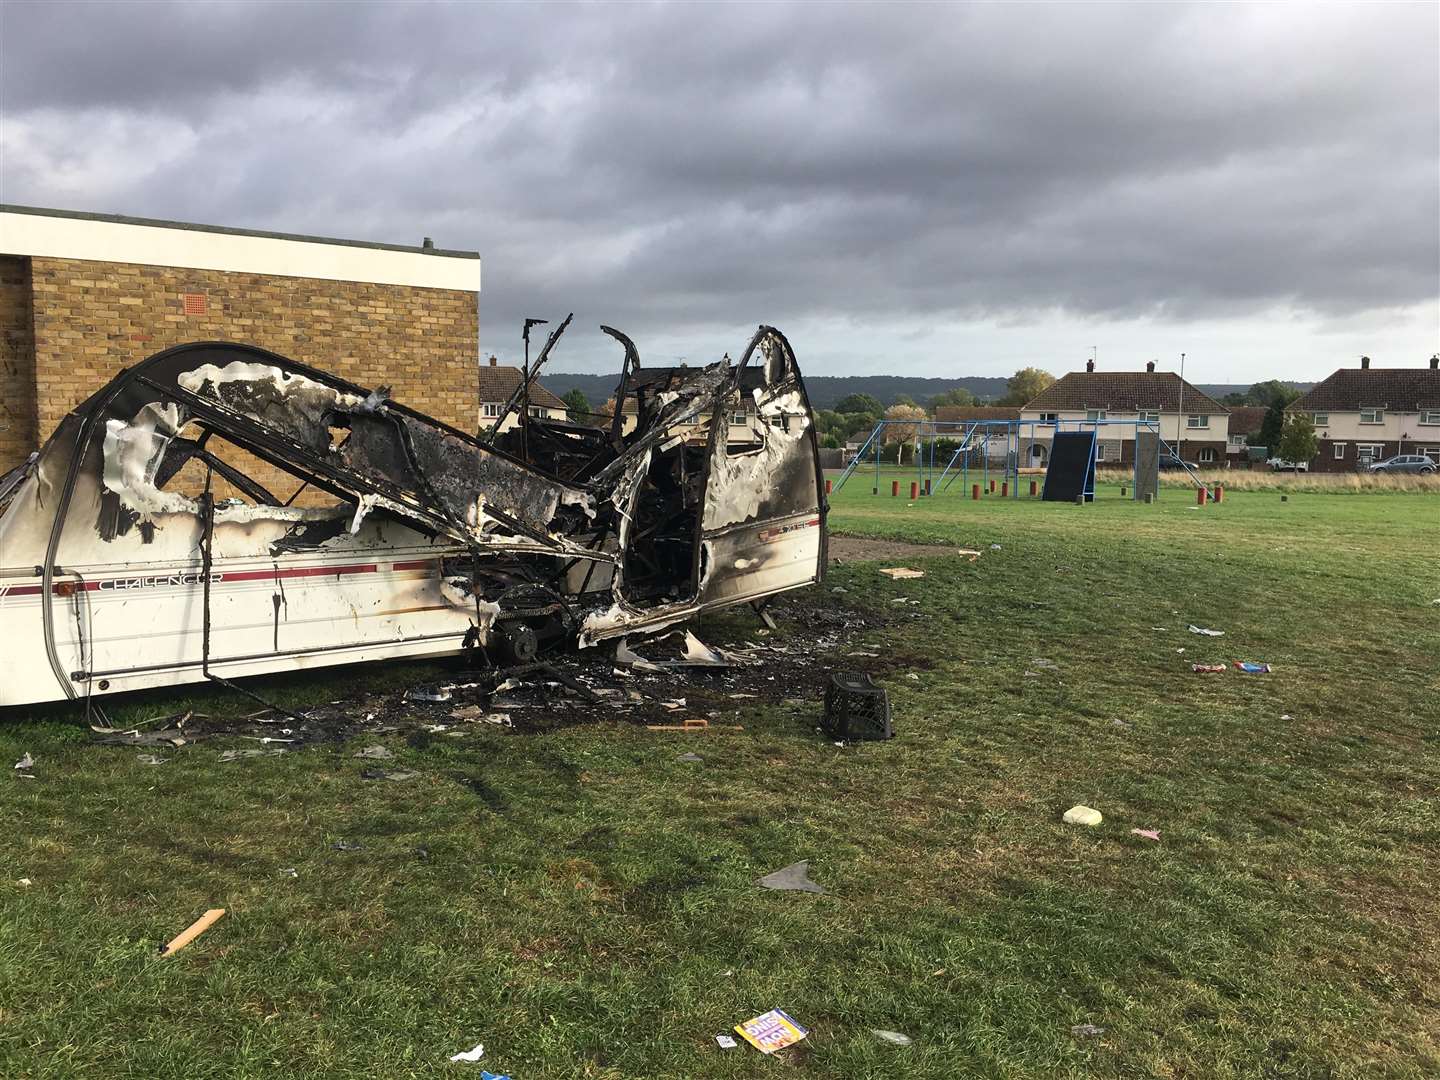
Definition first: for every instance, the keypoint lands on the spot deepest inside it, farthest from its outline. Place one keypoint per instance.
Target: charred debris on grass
(670, 681)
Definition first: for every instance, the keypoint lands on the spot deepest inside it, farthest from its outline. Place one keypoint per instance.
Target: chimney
(1150, 367)
(1089, 365)
(493, 361)
(1364, 363)
(1435, 362)
(428, 244)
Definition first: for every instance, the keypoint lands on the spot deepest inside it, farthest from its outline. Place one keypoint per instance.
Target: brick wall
(91, 319)
(17, 363)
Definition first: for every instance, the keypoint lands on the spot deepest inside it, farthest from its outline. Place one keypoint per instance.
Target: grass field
(585, 904)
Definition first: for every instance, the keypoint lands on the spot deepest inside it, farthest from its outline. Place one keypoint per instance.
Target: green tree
(578, 406)
(904, 399)
(831, 442)
(1298, 444)
(1270, 391)
(1271, 428)
(1024, 385)
(860, 403)
(958, 396)
(1235, 398)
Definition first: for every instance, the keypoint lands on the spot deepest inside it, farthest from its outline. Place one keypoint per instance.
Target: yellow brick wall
(91, 319)
(17, 363)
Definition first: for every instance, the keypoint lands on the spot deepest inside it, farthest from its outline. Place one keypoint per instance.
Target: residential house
(1245, 421)
(1367, 414)
(1189, 421)
(499, 382)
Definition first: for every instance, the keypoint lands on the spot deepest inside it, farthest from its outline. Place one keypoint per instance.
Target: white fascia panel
(150, 245)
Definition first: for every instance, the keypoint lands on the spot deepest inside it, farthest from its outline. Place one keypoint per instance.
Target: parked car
(1172, 461)
(1281, 465)
(1406, 463)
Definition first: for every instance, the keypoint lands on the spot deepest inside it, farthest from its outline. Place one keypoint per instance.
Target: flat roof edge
(159, 223)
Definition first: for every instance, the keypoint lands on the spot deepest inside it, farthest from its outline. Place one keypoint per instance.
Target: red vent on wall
(194, 303)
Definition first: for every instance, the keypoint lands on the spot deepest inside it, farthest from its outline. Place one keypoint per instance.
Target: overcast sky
(919, 189)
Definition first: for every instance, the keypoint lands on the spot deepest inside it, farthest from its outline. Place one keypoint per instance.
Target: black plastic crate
(855, 708)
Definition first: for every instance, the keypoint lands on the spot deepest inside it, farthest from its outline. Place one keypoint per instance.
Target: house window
(490, 409)
(1320, 419)
(1099, 451)
(1237, 441)
(738, 418)
(1197, 421)
(1207, 456)
(1430, 416)
(1432, 452)
(1370, 451)
(537, 410)
(1340, 451)
(1372, 416)
(1148, 416)
(1050, 417)
(1094, 414)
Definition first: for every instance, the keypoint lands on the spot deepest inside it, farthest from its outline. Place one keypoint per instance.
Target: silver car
(1406, 463)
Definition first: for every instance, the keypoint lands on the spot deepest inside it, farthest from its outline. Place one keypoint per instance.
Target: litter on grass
(1148, 834)
(690, 757)
(149, 759)
(725, 1042)
(771, 1031)
(25, 762)
(194, 930)
(1209, 669)
(793, 878)
(1205, 631)
(892, 1036)
(1247, 668)
(1086, 1031)
(470, 1055)
(898, 573)
(375, 753)
(1082, 815)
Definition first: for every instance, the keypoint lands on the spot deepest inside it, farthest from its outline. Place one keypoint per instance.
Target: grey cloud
(694, 168)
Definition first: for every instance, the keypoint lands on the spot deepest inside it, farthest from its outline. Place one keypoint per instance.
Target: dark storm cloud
(678, 168)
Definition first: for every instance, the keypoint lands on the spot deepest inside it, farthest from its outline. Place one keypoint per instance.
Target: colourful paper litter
(1205, 631)
(771, 1031)
(725, 1042)
(1148, 834)
(470, 1055)
(1209, 669)
(1247, 668)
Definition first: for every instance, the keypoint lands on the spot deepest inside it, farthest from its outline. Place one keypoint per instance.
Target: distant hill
(825, 391)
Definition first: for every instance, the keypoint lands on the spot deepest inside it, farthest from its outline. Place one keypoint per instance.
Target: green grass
(586, 905)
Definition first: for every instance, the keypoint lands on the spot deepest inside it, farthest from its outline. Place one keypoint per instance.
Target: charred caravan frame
(113, 577)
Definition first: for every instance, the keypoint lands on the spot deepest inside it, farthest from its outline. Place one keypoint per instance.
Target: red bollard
(992, 487)
(914, 490)
(1004, 488)
(1200, 497)
(1219, 493)
(828, 485)
(894, 488)
(975, 491)
(927, 487)
(1034, 488)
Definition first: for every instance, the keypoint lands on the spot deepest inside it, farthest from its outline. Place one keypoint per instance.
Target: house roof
(1123, 391)
(961, 413)
(1247, 419)
(497, 383)
(1351, 389)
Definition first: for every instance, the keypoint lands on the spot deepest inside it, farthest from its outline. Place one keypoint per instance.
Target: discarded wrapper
(470, 1055)
(1209, 669)
(1082, 815)
(1247, 668)
(771, 1031)
(1204, 631)
(725, 1042)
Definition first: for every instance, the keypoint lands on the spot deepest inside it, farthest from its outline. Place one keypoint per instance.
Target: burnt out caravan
(219, 511)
